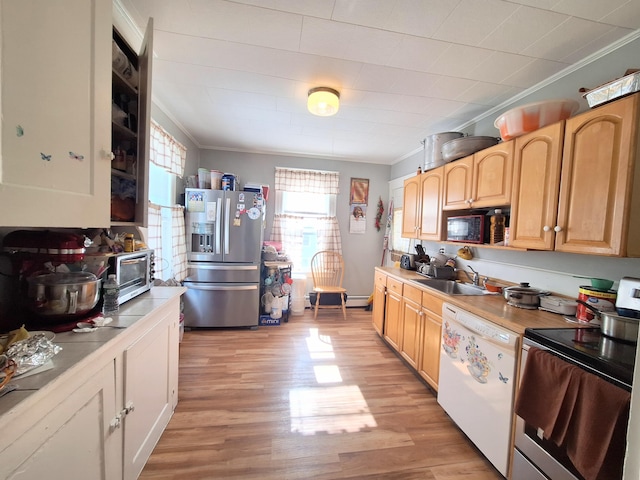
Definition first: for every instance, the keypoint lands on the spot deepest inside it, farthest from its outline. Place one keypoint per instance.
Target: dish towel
(578, 411)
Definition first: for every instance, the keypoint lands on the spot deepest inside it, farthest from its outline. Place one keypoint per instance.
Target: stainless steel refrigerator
(224, 242)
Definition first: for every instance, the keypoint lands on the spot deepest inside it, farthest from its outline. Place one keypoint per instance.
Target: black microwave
(466, 229)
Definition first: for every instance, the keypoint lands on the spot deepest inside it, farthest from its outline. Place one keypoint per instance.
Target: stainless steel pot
(614, 325)
(523, 296)
(65, 295)
(433, 148)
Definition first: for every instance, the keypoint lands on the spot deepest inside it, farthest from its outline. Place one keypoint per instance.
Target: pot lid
(67, 278)
(525, 288)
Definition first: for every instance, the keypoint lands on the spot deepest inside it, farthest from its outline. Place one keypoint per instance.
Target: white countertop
(80, 348)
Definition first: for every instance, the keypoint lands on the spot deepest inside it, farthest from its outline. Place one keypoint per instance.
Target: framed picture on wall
(359, 191)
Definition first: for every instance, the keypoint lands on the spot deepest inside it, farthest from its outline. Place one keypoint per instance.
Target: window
(398, 244)
(166, 220)
(305, 218)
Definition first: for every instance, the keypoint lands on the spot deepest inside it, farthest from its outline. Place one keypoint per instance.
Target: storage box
(327, 299)
(267, 321)
(613, 90)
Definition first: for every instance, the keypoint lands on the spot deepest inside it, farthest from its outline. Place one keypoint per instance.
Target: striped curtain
(154, 233)
(179, 243)
(288, 229)
(169, 154)
(166, 151)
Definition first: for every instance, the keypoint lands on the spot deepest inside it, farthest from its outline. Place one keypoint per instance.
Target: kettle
(408, 261)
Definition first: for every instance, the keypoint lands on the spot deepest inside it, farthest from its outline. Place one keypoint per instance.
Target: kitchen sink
(451, 287)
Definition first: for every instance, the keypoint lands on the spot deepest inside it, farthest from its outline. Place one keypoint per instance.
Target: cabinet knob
(557, 228)
(546, 228)
(110, 155)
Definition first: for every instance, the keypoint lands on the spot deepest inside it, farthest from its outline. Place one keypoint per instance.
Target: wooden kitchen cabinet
(411, 207)
(422, 206)
(536, 182)
(102, 416)
(150, 385)
(431, 204)
(479, 180)
(379, 302)
(74, 439)
(130, 131)
(598, 206)
(429, 341)
(56, 108)
(393, 313)
(588, 201)
(411, 324)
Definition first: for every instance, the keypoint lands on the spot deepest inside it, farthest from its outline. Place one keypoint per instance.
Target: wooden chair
(327, 270)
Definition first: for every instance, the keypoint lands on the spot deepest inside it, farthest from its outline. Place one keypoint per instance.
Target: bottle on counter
(110, 294)
(497, 227)
(129, 242)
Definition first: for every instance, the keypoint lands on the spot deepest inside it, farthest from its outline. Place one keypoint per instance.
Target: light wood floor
(324, 399)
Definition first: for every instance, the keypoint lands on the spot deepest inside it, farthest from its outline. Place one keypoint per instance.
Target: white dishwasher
(476, 382)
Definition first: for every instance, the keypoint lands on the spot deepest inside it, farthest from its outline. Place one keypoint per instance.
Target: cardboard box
(267, 321)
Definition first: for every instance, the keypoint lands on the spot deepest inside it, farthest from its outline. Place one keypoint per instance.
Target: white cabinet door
(149, 374)
(73, 440)
(56, 88)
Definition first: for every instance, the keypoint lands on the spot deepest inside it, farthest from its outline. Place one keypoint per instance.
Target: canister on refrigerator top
(228, 181)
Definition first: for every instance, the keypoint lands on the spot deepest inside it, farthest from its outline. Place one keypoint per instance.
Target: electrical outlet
(441, 251)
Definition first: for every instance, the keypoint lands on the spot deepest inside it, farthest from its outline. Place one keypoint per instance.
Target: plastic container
(111, 292)
(532, 116)
(496, 229)
(204, 178)
(228, 181)
(216, 180)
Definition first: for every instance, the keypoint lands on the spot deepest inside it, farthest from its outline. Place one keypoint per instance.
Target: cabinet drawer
(394, 285)
(380, 278)
(432, 303)
(412, 293)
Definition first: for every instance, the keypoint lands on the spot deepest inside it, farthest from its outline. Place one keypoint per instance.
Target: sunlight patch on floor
(336, 409)
(319, 346)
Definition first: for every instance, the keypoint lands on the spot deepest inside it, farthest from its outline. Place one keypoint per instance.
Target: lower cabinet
(149, 391)
(102, 417)
(72, 440)
(429, 359)
(379, 302)
(393, 313)
(412, 325)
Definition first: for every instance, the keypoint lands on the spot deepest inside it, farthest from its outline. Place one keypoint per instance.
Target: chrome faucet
(476, 276)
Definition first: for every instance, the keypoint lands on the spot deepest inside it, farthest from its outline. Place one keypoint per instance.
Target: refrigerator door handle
(218, 223)
(196, 286)
(227, 211)
(230, 267)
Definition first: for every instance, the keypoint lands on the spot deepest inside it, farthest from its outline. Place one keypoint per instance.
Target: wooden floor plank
(310, 399)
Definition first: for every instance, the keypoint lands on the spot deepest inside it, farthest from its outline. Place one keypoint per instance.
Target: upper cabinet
(130, 127)
(480, 180)
(584, 200)
(58, 92)
(56, 106)
(422, 206)
(411, 207)
(431, 204)
(536, 181)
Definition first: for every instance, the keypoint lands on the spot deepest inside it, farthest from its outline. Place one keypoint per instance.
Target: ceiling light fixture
(323, 101)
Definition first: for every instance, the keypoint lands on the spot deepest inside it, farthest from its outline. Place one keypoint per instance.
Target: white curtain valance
(307, 181)
(166, 151)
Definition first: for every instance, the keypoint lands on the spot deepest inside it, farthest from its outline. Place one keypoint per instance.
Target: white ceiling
(235, 74)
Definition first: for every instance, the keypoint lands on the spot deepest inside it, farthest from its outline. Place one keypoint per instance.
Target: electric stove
(611, 359)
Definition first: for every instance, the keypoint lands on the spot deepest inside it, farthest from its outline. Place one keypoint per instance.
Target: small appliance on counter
(408, 261)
